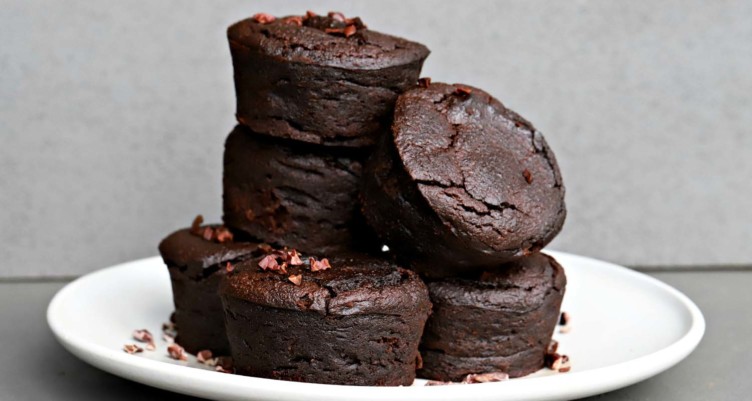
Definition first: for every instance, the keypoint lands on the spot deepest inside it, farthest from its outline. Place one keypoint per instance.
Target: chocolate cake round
(463, 184)
(356, 323)
(320, 79)
(501, 321)
(196, 259)
(293, 194)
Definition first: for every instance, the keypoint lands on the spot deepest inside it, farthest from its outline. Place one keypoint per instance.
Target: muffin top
(518, 286)
(204, 247)
(485, 171)
(351, 285)
(328, 40)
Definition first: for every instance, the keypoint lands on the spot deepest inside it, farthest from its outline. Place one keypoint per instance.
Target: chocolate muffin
(197, 259)
(501, 320)
(293, 194)
(356, 323)
(464, 183)
(320, 79)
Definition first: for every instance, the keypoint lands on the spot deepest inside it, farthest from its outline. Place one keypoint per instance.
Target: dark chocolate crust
(301, 83)
(465, 183)
(295, 195)
(358, 323)
(196, 267)
(500, 321)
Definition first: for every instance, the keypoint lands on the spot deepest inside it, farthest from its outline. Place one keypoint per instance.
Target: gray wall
(113, 116)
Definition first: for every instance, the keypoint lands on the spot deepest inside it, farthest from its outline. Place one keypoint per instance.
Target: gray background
(113, 117)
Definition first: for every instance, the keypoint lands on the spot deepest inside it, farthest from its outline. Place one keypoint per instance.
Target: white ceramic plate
(625, 328)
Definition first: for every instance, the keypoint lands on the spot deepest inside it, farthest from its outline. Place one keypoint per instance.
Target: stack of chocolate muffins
(340, 149)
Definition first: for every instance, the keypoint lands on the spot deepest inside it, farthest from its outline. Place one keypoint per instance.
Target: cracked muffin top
(343, 286)
(484, 171)
(465, 183)
(330, 40)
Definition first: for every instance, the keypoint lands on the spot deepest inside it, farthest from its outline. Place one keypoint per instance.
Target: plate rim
(187, 380)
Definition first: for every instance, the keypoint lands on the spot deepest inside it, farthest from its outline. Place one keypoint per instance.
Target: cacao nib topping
(357, 22)
(132, 348)
(263, 18)
(204, 356)
(564, 321)
(296, 279)
(222, 369)
(323, 23)
(463, 92)
(295, 20)
(222, 235)
(347, 31)
(552, 347)
(337, 16)
(485, 377)
(549, 358)
(334, 23)
(558, 362)
(269, 262)
(294, 258)
(196, 225)
(208, 233)
(278, 260)
(145, 336)
(176, 352)
(350, 30)
(319, 265)
(225, 362)
(528, 176)
(424, 82)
